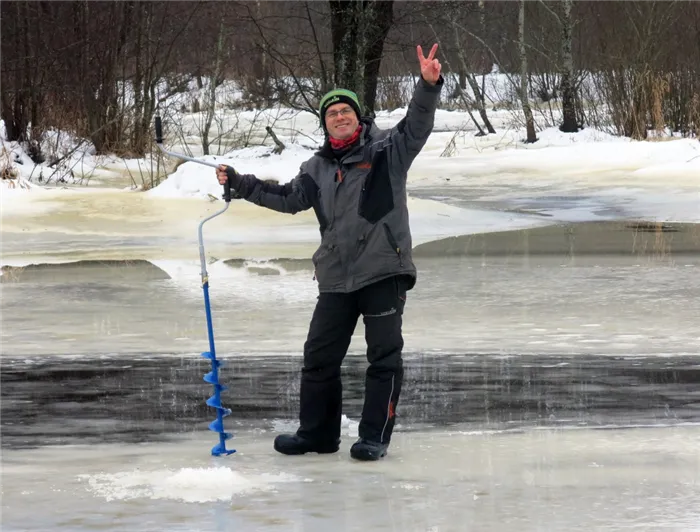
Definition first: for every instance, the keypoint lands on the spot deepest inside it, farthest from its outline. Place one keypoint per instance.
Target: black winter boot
(295, 444)
(368, 450)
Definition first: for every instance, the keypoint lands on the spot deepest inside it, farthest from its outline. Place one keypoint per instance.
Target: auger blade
(216, 426)
(220, 449)
(219, 387)
(215, 363)
(214, 401)
(212, 377)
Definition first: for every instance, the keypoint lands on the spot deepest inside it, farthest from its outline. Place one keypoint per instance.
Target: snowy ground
(496, 181)
(487, 184)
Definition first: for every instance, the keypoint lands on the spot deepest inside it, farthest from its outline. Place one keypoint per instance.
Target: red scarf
(337, 144)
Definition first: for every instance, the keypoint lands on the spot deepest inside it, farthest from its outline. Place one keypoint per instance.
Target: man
(356, 184)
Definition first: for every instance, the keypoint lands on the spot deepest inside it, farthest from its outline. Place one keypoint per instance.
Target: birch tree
(568, 91)
(559, 58)
(524, 90)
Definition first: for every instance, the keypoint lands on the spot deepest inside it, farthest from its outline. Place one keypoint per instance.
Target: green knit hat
(338, 96)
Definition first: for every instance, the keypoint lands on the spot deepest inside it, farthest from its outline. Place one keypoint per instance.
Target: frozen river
(559, 291)
(545, 390)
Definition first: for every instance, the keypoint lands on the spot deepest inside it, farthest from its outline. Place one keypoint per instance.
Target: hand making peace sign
(429, 67)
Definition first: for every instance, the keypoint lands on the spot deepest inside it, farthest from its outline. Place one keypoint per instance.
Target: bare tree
(524, 92)
(378, 17)
(105, 66)
(467, 71)
(25, 57)
(568, 92)
(214, 81)
(359, 29)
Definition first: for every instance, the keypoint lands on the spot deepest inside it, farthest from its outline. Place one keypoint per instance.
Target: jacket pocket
(325, 264)
(392, 241)
(320, 253)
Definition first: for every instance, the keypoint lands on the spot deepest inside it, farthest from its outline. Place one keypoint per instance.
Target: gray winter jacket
(360, 201)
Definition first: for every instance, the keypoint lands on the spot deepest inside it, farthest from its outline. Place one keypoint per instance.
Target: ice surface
(505, 304)
(646, 478)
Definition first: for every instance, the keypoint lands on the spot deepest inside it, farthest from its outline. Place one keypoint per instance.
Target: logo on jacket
(364, 165)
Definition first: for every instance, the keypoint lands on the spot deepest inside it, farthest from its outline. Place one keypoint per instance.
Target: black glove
(235, 181)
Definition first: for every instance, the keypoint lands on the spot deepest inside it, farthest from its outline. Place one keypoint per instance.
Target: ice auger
(213, 376)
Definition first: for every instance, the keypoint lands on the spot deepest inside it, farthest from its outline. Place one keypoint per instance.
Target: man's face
(341, 121)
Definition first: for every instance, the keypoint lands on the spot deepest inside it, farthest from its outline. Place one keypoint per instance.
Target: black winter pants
(332, 325)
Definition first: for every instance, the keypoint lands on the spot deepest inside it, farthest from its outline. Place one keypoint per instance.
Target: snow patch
(191, 485)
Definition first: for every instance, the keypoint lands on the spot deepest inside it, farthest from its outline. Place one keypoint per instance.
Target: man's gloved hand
(228, 173)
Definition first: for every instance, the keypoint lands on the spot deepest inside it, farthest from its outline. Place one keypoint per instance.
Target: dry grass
(8, 172)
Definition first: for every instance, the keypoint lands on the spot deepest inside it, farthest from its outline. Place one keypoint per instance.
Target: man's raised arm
(410, 135)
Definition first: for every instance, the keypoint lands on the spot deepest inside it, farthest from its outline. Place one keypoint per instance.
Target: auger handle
(227, 191)
(159, 143)
(159, 131)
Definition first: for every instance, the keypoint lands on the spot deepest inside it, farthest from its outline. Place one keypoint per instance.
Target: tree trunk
(150, 81)
(465, 76)
(524, 97)
(344, 29)
(568, 92)
(378, 18)
(213, 82)
(138, 76)
(359, 29)
(480, 102)
(462, 82)
(325, 82)
(14, 108)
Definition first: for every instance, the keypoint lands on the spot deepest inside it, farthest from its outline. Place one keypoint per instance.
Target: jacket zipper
(338, 182)
(393, 243)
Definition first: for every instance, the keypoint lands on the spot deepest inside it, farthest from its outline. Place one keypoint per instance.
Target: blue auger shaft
(212, 377)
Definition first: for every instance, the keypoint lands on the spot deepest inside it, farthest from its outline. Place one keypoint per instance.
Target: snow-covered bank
(460, 184)
(588, 158)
